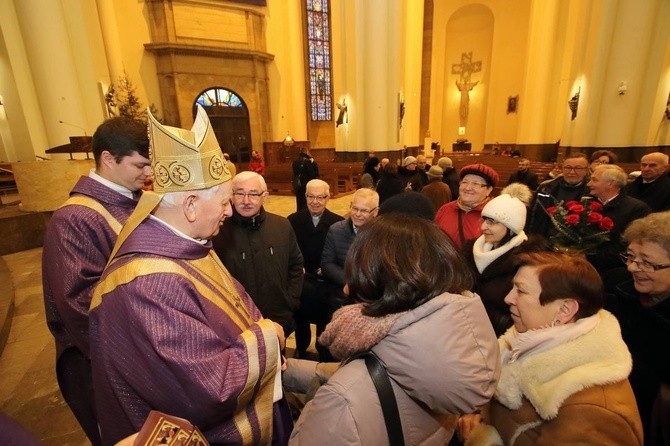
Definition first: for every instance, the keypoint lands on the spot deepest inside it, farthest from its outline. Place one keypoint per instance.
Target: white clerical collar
(316, 219)
(110, 184)
(177, 231)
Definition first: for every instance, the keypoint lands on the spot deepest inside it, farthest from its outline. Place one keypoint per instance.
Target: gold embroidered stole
(230, 302)
(83, 200)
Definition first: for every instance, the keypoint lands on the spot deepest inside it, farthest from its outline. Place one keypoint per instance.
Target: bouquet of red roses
(579, 225)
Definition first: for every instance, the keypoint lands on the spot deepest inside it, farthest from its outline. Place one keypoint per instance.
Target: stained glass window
(318, 43)
(219, 97)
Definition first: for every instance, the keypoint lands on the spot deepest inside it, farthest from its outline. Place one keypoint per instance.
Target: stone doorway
(229, 117)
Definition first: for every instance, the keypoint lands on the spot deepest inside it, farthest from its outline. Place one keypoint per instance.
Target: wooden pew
(7, 182)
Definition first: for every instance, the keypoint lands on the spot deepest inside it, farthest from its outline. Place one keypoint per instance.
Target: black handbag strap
(386, 398)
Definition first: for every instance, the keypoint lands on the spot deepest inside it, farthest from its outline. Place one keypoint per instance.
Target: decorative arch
(229, 116)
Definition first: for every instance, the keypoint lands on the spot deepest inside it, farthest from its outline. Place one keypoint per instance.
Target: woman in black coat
(492, 255)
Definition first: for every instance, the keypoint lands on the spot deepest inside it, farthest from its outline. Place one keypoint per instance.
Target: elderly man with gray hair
(311, 227)
(653, 184)
(606, 185)
(261, 251)
(171, 329)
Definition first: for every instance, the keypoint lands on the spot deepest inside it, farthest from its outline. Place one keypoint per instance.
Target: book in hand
(163, 429)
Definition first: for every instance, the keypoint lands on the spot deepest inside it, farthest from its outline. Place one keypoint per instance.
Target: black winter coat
(495, 282)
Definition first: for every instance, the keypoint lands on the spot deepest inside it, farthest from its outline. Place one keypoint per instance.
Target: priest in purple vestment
(77, 245)
(171, 329)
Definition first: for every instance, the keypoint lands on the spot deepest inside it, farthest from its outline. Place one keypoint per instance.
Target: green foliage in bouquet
(579, 225)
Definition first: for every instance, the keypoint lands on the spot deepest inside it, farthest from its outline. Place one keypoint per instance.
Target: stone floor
(28, 389)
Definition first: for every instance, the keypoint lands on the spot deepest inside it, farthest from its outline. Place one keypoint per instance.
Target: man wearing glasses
(571, 185)
(364, 207)
(260, 250)
(311, 227)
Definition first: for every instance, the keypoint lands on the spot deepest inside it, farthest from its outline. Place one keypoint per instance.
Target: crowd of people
(443, 311)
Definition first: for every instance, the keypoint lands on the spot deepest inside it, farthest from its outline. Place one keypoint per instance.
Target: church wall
(286, 73)
(508, 71)
(132, 18)
(469, 29)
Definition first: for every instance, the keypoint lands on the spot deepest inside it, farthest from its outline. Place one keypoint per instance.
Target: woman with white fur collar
(491, 255)
(565, 367)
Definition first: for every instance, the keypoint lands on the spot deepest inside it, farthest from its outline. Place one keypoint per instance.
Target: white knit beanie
(509, 211)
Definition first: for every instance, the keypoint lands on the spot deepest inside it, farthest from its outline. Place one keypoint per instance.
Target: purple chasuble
(77, 244)
(171, 330)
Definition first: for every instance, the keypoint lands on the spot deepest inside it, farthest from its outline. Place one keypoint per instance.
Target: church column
(50, 56)
(110, 36)
(367, 70)
(539, 66)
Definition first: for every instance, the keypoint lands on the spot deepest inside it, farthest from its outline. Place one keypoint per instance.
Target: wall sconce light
(622, 88)
(461, 131)
(573, 103)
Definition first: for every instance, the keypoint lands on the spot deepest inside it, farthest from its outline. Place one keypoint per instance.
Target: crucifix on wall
(464, 84)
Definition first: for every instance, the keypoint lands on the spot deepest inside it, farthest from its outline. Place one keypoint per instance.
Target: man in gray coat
(364, 207)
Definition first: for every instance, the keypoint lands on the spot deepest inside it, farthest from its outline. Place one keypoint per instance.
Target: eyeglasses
(489, 221)
(354, 210)
(469, 183)
(575, 169)
(643, 265)
(318, 198)
(252, 196)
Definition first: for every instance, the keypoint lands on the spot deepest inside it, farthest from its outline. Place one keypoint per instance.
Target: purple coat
(77, 244)
(171, 330)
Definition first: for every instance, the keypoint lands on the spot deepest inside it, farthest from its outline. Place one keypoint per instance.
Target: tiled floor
(28, 389)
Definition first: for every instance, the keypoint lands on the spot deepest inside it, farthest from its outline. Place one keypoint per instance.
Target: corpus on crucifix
(464, 84)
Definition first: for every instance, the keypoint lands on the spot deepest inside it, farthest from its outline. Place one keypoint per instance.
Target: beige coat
(574, 393)
(442, 358)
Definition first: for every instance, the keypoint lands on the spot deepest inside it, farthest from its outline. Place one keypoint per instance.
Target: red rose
(594, 218)
(595, 206)
(571, 203)
(576, 208)
(551, 210)
(572, 219)
(606, 224)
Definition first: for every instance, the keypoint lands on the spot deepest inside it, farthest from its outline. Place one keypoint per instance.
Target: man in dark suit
(606, 185)
(311, 227)
(304, 169)
(653, 185)
(524, 175)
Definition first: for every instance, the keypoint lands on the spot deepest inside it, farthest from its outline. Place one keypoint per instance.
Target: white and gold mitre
(185, 160)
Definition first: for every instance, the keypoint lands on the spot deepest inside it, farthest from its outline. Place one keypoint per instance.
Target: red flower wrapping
(595, 206)
(594, 218)
(572, 219)
(606, 224)
(551, 210)
(576, 208)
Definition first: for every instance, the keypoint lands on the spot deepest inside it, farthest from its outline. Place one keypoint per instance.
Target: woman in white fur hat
(491, 256)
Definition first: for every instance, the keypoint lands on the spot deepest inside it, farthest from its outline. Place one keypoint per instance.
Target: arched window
(230, 120)
(318, 41)
(219, 97)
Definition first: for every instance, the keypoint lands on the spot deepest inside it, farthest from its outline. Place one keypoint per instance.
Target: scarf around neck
(484, 253)
(521, 345)
(351, 332)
